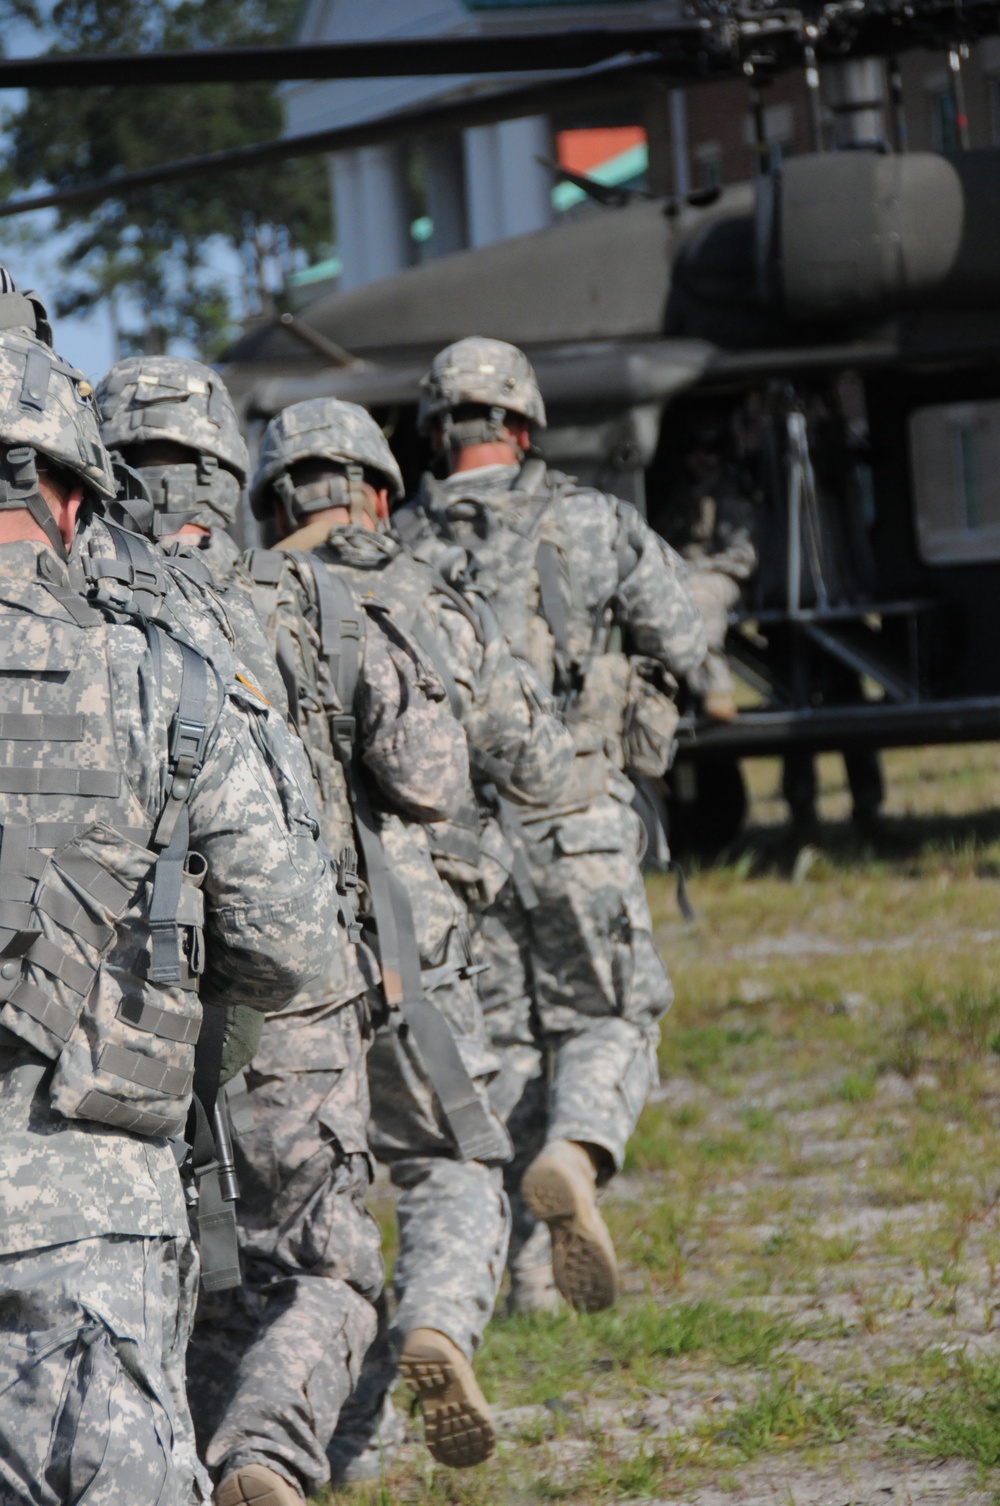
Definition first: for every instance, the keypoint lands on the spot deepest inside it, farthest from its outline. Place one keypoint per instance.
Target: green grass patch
(788, 1411)
(536, 1359)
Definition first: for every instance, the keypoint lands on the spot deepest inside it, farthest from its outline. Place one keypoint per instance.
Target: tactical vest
(612, 702)
(454, 842)
(341, 631)
(101, 915)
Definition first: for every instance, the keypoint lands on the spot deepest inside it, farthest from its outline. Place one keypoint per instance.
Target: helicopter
(842, 311)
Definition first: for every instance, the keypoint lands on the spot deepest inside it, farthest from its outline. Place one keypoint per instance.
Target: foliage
(154, 256)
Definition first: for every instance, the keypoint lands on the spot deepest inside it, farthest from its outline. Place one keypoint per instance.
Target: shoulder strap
(342, 637)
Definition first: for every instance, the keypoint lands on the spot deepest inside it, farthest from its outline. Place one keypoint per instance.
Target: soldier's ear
(382, 504)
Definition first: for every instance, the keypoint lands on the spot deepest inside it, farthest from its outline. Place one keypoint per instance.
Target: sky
(87, 343)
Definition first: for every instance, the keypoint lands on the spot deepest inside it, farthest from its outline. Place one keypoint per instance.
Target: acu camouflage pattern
(322, 428)
(49, 405)
(407, 1121)
(92, 1341)
(268, 897)
(149, 399)
(124, 1284)
(575, 987)
(518, 750)
(271, 1366)
(271, 1387)
(489, 373)
(713, 526)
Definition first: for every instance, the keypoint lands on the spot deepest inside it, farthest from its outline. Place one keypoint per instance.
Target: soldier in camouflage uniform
(709, 519)
(588, 594)
(271, 1365)
(172, 420)
(157, 840)
(451, 1217)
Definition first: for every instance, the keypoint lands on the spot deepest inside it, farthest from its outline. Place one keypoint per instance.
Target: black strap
(212, 1160)
(188, 740)
(467, 1119)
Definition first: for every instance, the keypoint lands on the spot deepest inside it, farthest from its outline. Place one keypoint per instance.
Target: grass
(807, 1222)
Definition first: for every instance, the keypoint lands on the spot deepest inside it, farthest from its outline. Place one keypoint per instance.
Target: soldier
(709, 520)
(327, 471)
(172, 420)
(157, 841)
(582, 588)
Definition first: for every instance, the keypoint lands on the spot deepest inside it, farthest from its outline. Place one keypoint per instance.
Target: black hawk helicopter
(843, 309)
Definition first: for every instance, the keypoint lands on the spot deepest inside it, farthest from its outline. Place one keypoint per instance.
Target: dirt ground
(808, 1222)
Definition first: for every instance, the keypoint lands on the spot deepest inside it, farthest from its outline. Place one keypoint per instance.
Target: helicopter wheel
(707, 805)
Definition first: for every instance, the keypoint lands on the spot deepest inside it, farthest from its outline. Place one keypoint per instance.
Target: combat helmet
(48, 410)
(149, 399)
(477, 373)
(323, 428)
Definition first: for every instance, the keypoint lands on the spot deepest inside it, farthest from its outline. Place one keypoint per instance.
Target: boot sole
(245, 1488)
(583, 1258)
(457, 1426)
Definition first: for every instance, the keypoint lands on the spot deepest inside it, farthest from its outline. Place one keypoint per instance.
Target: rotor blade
(504, 103)
(530, 52)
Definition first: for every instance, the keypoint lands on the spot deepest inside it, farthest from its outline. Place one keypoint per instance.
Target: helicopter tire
(706, 805)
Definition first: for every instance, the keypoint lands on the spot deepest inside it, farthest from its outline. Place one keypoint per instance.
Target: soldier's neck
(475, 457)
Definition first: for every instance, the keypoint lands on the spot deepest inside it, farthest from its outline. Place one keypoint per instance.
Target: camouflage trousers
(453, 1215)
(92, 1400)
(573, 994)
(715, 595)
(271, 1365)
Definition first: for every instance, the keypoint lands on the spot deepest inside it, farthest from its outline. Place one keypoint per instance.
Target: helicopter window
(955, 458)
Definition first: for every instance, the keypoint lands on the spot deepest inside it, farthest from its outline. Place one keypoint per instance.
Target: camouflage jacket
(518, 749)
(215, 563)
(712, 524)
(610, 589)
(267, 901)
(408, 744)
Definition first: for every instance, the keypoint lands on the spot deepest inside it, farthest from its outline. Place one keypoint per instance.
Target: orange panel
(581, 151)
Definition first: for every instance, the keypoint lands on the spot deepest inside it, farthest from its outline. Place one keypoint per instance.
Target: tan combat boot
(457, 1422)
(256, 1485)
(560, 1187)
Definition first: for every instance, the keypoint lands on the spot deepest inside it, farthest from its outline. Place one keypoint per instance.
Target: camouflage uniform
(452, 1214)
(711, 524)
(271, 1365)
(146, 400)
(96, 1266)
(574, 990)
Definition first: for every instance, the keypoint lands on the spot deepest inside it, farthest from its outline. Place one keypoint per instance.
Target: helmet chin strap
(19, 492)
(341, 488)
(489, 428)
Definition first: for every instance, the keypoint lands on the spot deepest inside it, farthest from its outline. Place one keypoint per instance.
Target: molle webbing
(342, 632)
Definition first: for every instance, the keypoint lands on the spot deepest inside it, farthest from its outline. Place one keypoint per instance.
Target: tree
(153, 256)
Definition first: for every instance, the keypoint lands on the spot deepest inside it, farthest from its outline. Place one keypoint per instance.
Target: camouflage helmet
(323, 428)
(48, 410)
(151, 399)
(482, 373)
(24, 311)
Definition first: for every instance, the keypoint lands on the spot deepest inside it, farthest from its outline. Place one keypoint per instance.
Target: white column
(347, 217)
(372, 214)
(525, 185)
(507, 191)
(445, 194)
(482, 188)
(385, 210)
